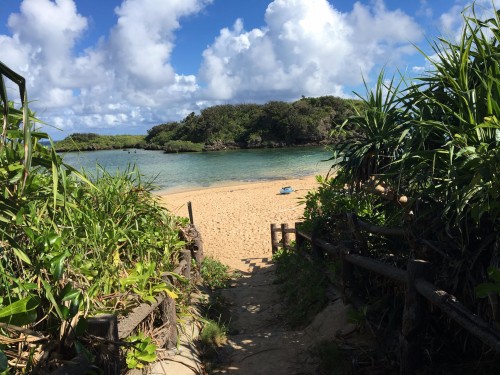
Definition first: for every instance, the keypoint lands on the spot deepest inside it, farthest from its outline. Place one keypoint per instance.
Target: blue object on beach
(286, 190)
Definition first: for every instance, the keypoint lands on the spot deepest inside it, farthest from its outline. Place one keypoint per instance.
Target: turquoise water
(204, 169)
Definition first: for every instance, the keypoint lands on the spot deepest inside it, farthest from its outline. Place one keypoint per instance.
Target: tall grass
(71, 244)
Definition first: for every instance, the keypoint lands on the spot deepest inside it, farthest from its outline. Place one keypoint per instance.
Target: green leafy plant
(424, 155)
(302, 286)
(331, 358)
(72, 244)
(141, 352)
(485, 289)
(213, 334)
(214, 273)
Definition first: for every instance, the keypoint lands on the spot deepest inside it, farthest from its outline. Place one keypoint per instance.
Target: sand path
(234, 221)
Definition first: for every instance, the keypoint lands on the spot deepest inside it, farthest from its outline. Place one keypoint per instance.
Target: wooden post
(299, 240)
(347, 277)
(317, 252)
(186, 255)
(169, 319)
(274, 238)
(285, 236)
(190, 212)
(352, 221)
(197, 247)
(413, 319)
(108, 355)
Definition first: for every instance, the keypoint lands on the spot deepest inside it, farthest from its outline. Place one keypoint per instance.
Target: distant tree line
(94, 142)
(308, 121)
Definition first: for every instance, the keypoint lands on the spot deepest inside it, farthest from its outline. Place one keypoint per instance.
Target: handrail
(415, 282)
(459, 313)
(448, 303)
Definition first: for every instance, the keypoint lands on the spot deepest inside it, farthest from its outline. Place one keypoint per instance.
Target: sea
(190, 171)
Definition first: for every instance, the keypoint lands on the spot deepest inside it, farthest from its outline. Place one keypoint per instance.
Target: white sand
(234, 221)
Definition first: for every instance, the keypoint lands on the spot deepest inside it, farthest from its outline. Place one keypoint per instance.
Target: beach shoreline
(223, 184)
(234, 220)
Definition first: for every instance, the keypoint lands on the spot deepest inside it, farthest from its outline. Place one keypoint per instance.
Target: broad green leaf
(70, 295)
(21, 306)
(57, 265)
(3, 361)
(50, 297)
(483, 290)
(21, 255)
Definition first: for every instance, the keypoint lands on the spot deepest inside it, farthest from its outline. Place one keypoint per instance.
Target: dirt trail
(260, 342)
(234, 223)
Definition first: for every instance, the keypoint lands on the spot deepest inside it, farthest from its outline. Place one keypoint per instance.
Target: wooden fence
(419, 290)
(108, 333)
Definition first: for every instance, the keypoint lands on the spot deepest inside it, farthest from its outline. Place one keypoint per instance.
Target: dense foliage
(426, 157)
(71, 245)
(274, 124)
(93, 142)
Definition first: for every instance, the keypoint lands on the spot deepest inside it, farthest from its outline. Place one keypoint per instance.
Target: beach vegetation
(213, 334)
(302, 286)
(307, 121)
(182, 146)
(140, 352)
(94, 142)
(332, 360)
(215, 274)
(425, 157)
(73, 245)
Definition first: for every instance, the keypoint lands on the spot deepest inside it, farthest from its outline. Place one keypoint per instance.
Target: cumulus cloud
(306, 48)
(451, 22)
(123, 77)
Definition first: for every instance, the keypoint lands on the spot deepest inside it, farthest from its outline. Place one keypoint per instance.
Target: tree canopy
(274, 124)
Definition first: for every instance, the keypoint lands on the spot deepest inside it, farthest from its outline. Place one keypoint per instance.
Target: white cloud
(418, 69)
(113, 81)
(425, 10)
(306, 48)
(452, 21)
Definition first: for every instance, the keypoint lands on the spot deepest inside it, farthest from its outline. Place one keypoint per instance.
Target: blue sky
(123, 66)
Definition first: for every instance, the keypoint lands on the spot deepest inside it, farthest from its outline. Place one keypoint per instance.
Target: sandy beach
(234, 221)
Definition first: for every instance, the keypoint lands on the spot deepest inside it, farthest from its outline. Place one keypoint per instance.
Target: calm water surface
(203, 169)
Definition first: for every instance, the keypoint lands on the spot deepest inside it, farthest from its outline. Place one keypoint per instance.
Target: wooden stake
(190, 212)
(285, 236)
(413, 319)
(274, 238)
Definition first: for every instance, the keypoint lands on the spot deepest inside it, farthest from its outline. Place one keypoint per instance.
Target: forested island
(307, 121)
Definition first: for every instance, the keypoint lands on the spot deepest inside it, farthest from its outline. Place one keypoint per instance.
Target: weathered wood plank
(460, 314)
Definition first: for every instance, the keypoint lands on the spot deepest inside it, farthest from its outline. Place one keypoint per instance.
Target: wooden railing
(419, 290)
(108, 333)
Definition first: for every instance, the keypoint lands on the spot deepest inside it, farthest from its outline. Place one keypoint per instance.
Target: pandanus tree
(435, 139)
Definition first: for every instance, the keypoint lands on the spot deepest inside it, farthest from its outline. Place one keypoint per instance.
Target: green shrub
(214, 273)
(302, 286)
(72, 245)
(213, 334)
(182, 146)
